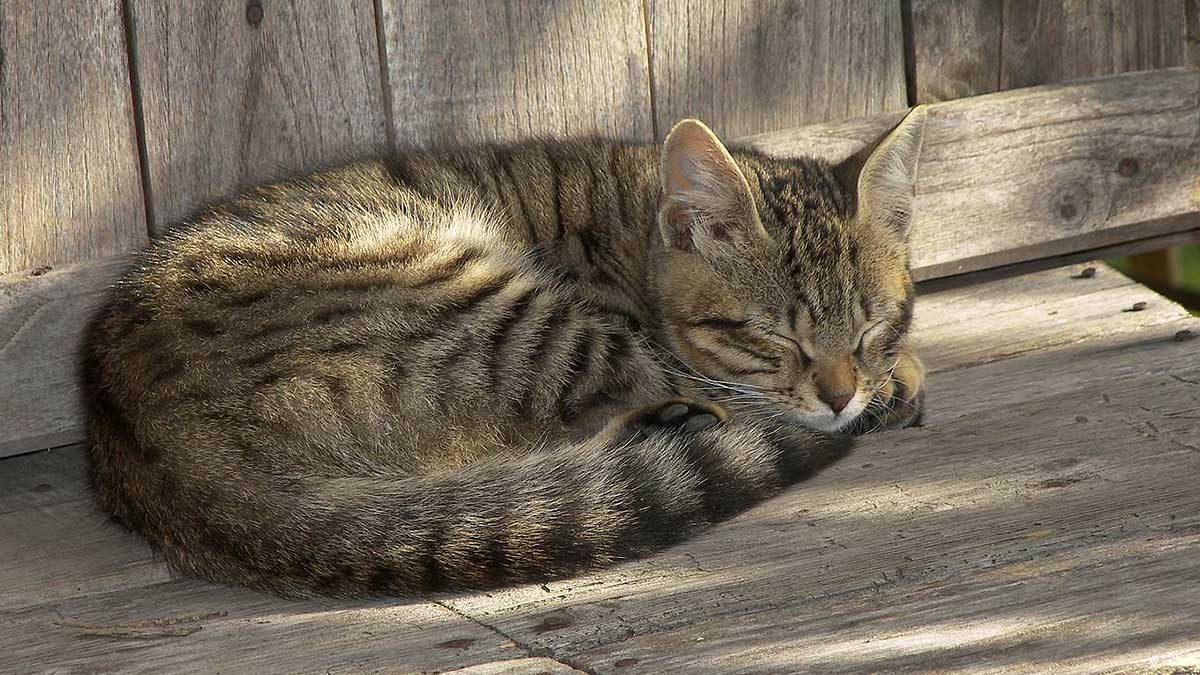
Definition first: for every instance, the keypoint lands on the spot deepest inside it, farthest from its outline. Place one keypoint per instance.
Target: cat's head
(785, 284)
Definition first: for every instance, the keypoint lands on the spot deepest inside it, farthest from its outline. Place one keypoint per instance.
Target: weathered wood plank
(500, 70)
(189, 627)
(532, 666)
(69, 183)
(1032, 313)
(56, 551)
(1129, 247)
(1047, 41)
(746, 67)
(956, 48)
(1040, 172)
(42, 479)
(971, 47)
(1192, 9)
(41, 320)
(234, 92)
(1022, 618)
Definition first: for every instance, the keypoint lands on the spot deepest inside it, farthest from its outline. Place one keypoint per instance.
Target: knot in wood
(1072, 203)
(1066, 208)
(254, 13)
(1128, 167)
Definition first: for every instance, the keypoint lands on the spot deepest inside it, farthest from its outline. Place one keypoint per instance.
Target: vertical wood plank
(234, 92)
(956, 44)
(1051, 40)
(1157, 269)
(498, 70)
(70, 187)
(970, 47)
(1192, 10)
(747, 67)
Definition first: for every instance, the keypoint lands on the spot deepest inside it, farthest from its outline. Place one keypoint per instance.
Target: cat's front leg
(903, 395)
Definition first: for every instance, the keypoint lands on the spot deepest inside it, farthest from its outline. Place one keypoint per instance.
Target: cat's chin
(827, 421)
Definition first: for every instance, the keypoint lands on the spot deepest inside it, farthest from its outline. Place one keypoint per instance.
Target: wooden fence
(117, 118)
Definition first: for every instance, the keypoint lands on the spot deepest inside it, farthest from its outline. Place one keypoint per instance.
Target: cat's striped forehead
(822, 256)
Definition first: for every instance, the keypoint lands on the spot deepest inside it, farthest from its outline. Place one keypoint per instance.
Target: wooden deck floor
(1047, 517)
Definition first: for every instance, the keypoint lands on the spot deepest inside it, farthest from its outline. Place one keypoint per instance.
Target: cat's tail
(552, 513)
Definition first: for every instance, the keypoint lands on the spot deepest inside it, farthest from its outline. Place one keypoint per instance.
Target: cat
(466, 368)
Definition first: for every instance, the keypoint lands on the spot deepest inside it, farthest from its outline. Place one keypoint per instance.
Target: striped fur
(413, 373)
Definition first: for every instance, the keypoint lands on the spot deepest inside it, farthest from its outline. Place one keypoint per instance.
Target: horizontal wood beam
(1040, 173)
(42, 316)
(1132, 247)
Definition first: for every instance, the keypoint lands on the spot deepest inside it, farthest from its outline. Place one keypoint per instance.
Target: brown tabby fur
(442, 369)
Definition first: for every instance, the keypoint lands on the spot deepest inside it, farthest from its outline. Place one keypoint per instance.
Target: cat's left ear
(706, 201)
(883, 175)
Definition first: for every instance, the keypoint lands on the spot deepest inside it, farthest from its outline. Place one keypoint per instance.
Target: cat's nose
(836, 402)
(836, 380)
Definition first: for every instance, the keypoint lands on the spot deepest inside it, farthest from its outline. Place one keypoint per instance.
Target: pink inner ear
(681, 229)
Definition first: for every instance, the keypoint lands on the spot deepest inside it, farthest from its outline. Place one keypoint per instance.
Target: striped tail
(552, 513)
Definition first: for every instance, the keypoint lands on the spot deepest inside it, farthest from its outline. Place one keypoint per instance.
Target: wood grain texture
(234, 92)
(41, 320)
(1040, 172)
(502, 70)
(528, 666)
(1047, 41)
(1045, 518)
(69, 183)
(956, 48)
(1192, 10)
(1034, 312)
(747, 67)
(979, 46)
(188, 627)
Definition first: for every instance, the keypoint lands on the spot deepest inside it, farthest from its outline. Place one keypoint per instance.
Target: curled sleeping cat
(475, 367)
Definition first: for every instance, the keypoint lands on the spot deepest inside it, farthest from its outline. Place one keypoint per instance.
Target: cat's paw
(680, 414)
(904, 393)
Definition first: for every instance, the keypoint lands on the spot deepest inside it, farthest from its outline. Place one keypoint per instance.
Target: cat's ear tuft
(706, 200)
(883, 175)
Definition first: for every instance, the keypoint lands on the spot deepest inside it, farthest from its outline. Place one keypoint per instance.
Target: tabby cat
(474, 367)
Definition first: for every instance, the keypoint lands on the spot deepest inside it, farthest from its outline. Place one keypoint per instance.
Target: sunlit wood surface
(1046, 518)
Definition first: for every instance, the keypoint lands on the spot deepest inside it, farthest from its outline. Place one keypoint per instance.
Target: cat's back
(331, 292)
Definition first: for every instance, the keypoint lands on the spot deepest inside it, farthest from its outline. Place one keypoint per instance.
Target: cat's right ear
(883, 175)
(706, 201)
